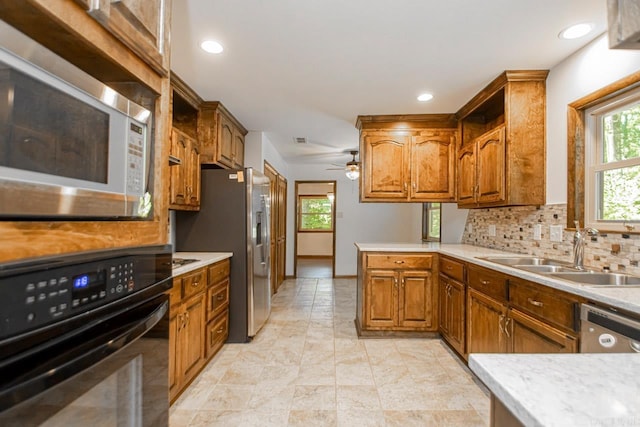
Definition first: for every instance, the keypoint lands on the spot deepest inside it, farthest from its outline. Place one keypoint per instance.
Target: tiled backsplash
(514, 232)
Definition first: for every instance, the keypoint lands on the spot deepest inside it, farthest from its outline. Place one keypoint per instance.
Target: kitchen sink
(526, 261)
(546, 268)
(564, 270)
(598, 279)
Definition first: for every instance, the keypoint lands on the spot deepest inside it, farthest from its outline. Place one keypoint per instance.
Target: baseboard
(345, 276)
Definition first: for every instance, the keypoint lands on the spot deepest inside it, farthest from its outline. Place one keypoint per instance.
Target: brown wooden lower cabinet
(485, 324)
(451, 295)
(198, 322)
(398, 293)
(495, 326)
(529, 335)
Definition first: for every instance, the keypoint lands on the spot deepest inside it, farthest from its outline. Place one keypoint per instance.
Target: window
(315, 213)
(612, 176)
(431, 222)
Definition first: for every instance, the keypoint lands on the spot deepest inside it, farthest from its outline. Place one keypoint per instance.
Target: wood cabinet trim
(406, 122)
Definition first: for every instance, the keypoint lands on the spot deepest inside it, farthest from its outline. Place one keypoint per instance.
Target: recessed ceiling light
(576, 31)
(425, 97)
(211, 46)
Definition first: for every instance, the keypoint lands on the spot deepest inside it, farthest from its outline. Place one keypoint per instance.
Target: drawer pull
(448, 267)
(399, 262)
(220, 297)
(534, 302)
(485, 282)
(195, 284)
(220, 330)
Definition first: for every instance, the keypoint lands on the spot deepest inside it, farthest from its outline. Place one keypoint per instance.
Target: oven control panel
(34, 299)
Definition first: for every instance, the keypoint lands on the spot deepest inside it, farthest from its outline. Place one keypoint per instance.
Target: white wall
(258, 148)
(315, 244)
(355, 222)
(584, 72)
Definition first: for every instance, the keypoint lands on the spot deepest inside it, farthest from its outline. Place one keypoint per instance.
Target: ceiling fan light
(352, 172)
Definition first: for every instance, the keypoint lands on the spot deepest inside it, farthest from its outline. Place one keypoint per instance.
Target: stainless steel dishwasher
(606, 331)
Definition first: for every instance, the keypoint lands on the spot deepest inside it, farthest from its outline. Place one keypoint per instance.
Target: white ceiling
(308, 68)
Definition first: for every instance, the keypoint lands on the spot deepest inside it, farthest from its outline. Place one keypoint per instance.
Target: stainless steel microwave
(70, 146)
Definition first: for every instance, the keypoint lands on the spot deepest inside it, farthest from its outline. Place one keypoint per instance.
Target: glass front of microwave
(48, 131)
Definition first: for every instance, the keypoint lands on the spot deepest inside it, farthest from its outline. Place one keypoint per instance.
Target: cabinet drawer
(550, 305)
(217, 298)
(217, 333)
(451, 268)
(218, 271)
(193, 283)
(491, 283)
(399, 261)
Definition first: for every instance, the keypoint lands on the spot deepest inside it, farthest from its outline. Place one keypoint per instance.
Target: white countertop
(564, 389)
(204, 258)
(627, 298)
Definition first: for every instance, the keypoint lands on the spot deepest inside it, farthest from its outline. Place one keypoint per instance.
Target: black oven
(84, 339)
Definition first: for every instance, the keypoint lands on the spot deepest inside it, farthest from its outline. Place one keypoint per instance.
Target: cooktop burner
(179, 262)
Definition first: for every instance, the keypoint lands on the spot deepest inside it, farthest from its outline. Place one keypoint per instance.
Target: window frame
(594, 163)
(300, 214)
(576, 146)
(427, 209)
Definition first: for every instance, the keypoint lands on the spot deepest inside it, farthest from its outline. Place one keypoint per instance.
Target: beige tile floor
(307, 367)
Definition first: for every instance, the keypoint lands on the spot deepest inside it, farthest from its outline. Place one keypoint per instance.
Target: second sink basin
(525, 260)
(545, 268)
(598, 279)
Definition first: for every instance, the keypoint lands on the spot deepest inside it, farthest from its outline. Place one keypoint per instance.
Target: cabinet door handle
(395, 282)
(500, 326)
(507, 322)
(403, 283)
(220, 297)
(220, 330)
(399, 262)
(535, 303)
(413, 185)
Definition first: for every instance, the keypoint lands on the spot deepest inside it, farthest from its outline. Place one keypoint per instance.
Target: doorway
(315, 236)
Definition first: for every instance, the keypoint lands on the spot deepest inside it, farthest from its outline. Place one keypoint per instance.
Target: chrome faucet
(578, 244)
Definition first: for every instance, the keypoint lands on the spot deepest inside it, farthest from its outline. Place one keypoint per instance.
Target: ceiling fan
(352, 168)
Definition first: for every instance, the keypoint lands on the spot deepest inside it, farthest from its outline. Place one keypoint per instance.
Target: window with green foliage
(315, 213)
(612, 193)
(431, 222)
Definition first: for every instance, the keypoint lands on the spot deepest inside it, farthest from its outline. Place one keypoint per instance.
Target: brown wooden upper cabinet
(409, 158)
(139, 25)
(185, 177)
(221, 136)
(501, 157)
(184, 189)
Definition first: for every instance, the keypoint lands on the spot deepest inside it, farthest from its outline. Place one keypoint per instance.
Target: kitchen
(586, 71)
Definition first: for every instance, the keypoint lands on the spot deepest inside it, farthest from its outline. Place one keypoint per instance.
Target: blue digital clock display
(81, 281)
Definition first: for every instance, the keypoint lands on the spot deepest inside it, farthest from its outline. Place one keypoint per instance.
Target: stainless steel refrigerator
(234, 217)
